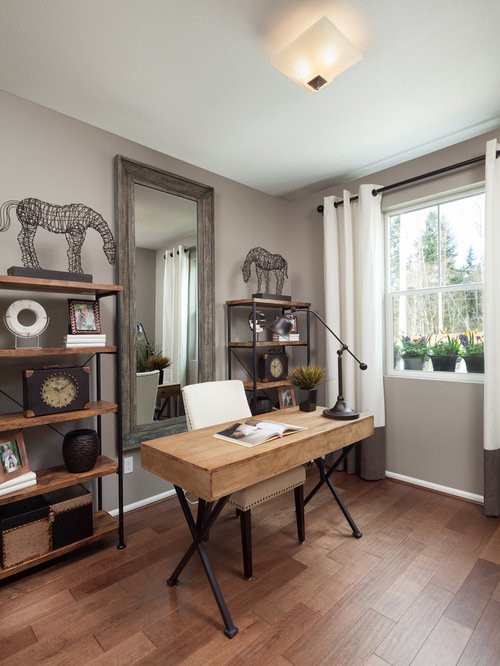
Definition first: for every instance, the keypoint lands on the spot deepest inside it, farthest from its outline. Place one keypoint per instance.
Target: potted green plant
(307, 378)
(149, 357)
(444, 353)
(473, 350)
(413, 351)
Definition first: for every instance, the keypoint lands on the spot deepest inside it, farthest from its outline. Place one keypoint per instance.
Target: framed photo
(13, 456)
(84, 317)
(286, 397)
(293, 319)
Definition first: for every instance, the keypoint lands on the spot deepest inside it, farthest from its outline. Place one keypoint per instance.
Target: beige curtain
(354, 308)
(492, 334)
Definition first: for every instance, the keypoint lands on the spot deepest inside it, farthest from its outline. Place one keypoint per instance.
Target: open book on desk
(253, 432)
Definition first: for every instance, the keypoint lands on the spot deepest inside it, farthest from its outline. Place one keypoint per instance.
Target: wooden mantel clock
(54, 390)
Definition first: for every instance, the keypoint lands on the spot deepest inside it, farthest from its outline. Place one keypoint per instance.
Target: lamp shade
(282, 325)
(317, 56)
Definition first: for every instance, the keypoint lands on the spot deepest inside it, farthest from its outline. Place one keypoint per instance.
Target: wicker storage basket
(25, 531)
(71, 515)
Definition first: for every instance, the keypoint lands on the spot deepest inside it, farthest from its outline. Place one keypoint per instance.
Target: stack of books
(286, 338)
(17, 483)
(85, 340)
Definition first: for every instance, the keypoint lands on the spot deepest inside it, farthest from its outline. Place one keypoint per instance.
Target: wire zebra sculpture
(72, 220)
(265, 264)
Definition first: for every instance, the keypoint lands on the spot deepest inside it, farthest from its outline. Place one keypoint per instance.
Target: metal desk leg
(204, 521)
(324, 477)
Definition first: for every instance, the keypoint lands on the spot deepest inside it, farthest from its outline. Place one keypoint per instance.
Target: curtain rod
(415, 179)
(186, 249)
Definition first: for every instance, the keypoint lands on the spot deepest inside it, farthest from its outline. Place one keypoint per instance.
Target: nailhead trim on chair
(244, 507)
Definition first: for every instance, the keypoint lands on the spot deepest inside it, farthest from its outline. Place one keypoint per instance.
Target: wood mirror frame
(128, 174)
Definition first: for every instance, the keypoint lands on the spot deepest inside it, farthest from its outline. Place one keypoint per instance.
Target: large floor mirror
(166, 266)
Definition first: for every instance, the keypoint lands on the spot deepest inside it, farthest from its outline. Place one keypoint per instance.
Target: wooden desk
(213, 469)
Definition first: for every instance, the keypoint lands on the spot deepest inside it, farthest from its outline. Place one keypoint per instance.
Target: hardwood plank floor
(422, 586)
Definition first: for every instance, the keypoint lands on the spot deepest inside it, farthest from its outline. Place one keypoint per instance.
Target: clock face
(58, 390)
(273, 366)
(276, 367)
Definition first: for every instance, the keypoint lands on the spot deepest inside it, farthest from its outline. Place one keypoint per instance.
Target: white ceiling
(193, 79)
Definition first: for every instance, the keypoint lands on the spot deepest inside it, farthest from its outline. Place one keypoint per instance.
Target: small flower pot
(444, 363)
(413, 362)
(309, 404)
(474, 363)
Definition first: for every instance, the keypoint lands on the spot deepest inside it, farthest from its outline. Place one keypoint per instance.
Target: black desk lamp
(141, 333)
(283, 324)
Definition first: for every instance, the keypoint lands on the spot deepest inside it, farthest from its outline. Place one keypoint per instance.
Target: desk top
(213, 468)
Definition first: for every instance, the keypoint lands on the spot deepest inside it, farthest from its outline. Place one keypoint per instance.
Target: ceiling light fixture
(317, 56)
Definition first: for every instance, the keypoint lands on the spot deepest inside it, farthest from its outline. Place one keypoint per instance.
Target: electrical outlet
(128, 464)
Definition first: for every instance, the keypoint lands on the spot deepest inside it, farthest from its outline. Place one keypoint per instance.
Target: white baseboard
(144, 502)
(435, 486)
(391, 475)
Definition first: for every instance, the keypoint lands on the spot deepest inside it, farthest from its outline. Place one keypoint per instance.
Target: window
(435, 285)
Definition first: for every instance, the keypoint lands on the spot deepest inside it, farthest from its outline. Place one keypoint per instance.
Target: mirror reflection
(166, 321)
(166, 302)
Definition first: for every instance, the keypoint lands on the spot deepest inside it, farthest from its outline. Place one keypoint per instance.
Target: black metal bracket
(205, 518)
(325, 473)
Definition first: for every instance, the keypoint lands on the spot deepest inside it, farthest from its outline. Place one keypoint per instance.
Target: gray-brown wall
(61, 160)
(58, 159)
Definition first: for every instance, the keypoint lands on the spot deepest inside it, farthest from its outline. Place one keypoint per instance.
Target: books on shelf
(17, 483)
(83, 340)
(286, 338)
(253, 432)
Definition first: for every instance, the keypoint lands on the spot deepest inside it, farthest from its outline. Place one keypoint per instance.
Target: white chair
(210, 403)
(147, 388)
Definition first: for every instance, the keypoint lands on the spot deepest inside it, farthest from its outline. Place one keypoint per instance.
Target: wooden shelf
(17, 420)
(56, 351)
(266, 385)
(56, 286)
(55, 478)
(269, 343)
(266, 302)
(104, 525)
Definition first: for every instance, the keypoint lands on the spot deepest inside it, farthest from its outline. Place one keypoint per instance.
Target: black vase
(309, 404)
(80, 450)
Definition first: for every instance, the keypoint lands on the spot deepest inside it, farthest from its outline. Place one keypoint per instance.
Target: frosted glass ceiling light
(317, 56)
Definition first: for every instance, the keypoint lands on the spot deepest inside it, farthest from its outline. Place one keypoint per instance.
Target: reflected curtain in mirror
(180, 315)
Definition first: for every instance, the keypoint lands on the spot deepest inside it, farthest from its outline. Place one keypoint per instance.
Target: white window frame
(400, 209)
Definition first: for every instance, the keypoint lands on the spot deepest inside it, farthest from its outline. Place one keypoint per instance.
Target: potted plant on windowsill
(444, 354)
(307, 378)
(473, 350)
(413, 351)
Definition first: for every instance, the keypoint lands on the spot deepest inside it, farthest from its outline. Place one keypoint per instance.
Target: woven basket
(80, 450)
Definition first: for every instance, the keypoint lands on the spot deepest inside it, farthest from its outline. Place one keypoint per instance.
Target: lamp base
(341, 412)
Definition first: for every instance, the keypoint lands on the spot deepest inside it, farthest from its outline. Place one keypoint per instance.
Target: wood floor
(421, 587)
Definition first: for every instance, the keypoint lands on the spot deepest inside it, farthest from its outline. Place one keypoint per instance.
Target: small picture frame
(84, 317)
(13, 456)
(286, 397)
(293, 319)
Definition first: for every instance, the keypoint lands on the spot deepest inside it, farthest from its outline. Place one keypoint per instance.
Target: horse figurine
(72, 220)
(265, 263)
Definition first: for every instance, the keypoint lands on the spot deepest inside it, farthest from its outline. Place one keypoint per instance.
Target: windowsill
(464, 377)
(460, 374)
